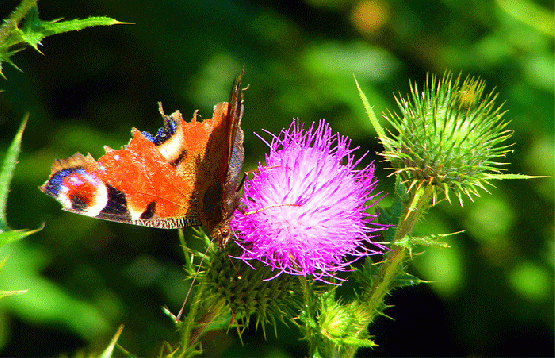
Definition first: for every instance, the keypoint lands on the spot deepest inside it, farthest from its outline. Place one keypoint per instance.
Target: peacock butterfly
(188, 174)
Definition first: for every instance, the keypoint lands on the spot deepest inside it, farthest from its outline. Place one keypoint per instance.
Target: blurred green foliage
(493, 289)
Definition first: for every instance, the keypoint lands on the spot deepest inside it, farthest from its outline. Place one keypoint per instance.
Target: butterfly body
(188, 174)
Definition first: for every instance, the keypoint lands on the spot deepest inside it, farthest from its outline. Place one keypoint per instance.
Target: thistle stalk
(447, 140)
(396, 258)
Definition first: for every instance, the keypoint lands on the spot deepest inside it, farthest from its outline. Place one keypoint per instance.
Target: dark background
(491, 293)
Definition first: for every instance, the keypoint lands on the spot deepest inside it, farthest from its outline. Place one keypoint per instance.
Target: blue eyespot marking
(55, 184)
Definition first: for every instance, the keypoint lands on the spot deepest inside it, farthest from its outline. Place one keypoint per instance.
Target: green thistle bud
(449, 137)
(248, 291)
(342, 327)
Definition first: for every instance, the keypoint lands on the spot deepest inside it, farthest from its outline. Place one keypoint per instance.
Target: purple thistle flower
(305, 210)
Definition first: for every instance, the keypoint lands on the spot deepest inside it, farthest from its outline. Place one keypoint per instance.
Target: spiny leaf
(410, 242)
(370, 113)
(35, 30)
(24, 27)
(110, 349)
(431, 240)
(5, 57)
(512, 176)
(14, 235)
(406, 279)
(6, 172)
(15, 18)
(366, 274)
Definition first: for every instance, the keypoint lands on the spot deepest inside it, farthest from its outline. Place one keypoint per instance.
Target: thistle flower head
(448, 136)
(247, 292)
(304, 212)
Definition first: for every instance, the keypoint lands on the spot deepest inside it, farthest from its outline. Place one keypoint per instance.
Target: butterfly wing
(220, 196)
(159, 181)
(138, 184)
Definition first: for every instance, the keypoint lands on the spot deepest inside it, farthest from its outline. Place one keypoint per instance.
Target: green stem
(212, 312)
(395, 259)
(191, 328)
(310, 321)
(188, 339)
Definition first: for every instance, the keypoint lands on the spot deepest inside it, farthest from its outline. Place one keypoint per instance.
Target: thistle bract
(448, 136)
(246, 291)
(305, 211)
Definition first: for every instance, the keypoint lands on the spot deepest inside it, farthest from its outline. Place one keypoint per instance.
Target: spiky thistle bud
(246, 289)
(448, 136)
(342, 327)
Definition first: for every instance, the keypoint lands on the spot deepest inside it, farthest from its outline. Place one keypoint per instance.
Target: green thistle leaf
(24, 28)
(511, 176)
(108, 352)
(7, 170)
(35, 30)
(6, 174)
(15, 235)
(370, 113)
(404, 279)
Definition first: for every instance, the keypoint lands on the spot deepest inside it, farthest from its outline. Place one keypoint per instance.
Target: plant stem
(188, 339)
(191, 330)
(413, 209)
(309, 319)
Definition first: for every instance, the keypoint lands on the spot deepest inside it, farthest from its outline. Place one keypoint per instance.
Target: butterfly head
(221, 233)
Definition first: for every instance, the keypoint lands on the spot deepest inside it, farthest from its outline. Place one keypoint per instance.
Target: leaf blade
(7, 170)
(371, 115)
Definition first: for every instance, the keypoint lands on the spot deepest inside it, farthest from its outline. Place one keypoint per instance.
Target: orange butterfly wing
(189, 174)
